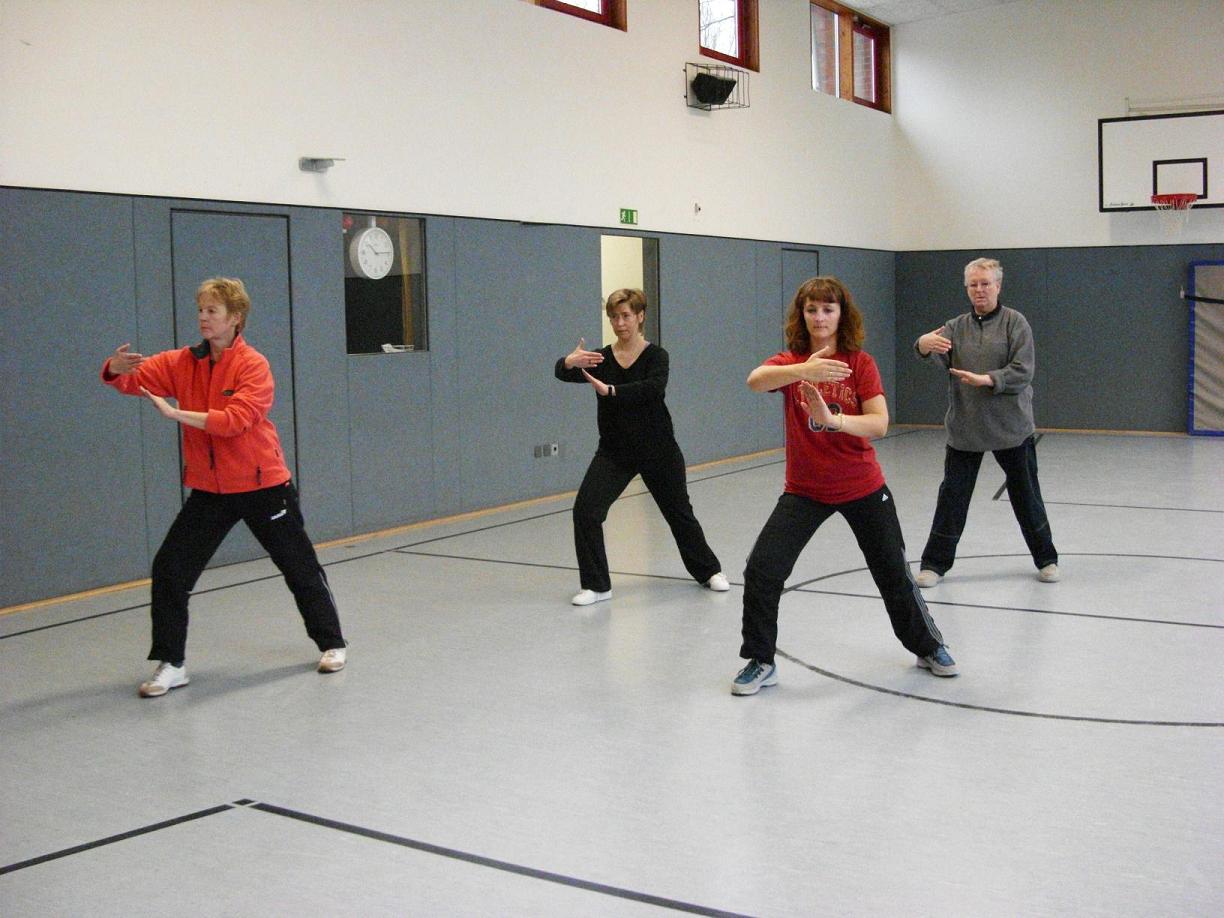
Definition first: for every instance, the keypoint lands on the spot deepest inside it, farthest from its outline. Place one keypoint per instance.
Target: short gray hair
(986, 264)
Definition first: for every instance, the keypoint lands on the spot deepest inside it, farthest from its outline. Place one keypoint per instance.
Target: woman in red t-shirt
(834, 405)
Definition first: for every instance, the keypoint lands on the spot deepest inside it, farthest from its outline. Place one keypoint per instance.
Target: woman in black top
(635, 437)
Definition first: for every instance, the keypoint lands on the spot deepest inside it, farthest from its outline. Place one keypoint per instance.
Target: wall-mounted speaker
(712, 90)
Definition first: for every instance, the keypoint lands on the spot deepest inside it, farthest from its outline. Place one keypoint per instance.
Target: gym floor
(492, 750)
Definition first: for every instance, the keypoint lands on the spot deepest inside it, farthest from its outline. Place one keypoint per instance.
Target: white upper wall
(497, 108)
(997, 114)
(488, 108)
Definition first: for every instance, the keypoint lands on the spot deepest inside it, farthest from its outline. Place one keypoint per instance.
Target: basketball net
(1174, 210)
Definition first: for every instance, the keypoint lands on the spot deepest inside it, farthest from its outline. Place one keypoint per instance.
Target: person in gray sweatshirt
(988, 353)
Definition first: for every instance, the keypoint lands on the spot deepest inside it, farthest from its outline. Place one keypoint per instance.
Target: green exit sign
(628, 216)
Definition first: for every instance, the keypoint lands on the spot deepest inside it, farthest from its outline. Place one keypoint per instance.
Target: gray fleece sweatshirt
(985, 418)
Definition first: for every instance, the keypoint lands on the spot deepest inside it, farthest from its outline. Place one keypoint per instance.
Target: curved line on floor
(993, 710)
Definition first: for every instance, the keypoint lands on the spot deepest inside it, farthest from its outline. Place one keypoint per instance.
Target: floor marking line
(506, 866)
(992, 710)
(111, 839)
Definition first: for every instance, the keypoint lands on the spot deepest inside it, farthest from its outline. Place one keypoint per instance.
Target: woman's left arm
(1021, 360)
(651, 386)
(250, 403)
(872, 423)
(1017, 373)
(190, 418)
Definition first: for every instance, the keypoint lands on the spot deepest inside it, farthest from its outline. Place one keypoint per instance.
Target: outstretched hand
(600, 387)
(124, 361)
(819, 368)
(814, 404)
(972, 379)
(934, 342)
(582, 358)
(167, 410)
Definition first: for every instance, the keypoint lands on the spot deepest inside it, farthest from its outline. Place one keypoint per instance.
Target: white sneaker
(1049, 574)
(927, 579)
(718, 583)
(333, 660)
(586, 597)
(165, 678)
(750, 679)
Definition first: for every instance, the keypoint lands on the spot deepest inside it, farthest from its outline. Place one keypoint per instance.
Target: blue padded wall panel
(871, 280)
(390, 430)
(708, 324)
(524, 293)
(163, 494)
(71, 495)
(1119, 358)
(320, 373)
(444, 364)
(779, 271)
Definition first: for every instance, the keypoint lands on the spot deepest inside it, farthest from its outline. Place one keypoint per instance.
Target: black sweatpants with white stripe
(275, 518)
(794, 521)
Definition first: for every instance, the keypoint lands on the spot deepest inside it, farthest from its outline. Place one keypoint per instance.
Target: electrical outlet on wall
(554, 449)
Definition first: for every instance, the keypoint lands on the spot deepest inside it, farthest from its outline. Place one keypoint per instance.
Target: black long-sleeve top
(634, 423)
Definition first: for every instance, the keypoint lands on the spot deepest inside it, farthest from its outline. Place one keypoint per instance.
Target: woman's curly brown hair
(850, 331)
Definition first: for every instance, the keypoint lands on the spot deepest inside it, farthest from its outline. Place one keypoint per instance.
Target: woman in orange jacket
(236, 471)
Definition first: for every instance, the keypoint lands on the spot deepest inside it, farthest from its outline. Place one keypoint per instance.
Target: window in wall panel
(727, 30)
(385, 307)
(864, 65)
(607, 12)
(851, 56)
(824, 51)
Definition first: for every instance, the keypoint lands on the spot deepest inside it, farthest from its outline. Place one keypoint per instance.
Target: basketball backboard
(1160, 154)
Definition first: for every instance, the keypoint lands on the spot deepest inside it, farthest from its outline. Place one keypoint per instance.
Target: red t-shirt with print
(832, 468)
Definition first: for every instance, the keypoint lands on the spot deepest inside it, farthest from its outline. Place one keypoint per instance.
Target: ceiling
(895, 12)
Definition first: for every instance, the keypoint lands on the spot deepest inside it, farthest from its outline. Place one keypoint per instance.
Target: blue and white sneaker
(752, 677)
(940, 662)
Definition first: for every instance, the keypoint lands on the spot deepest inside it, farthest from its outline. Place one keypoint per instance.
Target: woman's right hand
(934, 342)
(818, 368)
(123, 361)
(582, 358)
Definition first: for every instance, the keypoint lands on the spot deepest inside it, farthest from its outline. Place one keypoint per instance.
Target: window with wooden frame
(606, 12)
(851, 55)
(727, 31)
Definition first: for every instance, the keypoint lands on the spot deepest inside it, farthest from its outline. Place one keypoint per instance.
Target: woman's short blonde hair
(986, 264)
(231, 292)
(626, 296)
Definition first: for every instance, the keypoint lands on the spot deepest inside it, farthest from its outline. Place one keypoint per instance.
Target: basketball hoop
(1174, 210)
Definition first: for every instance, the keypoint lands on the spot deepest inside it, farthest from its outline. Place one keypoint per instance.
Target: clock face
(371, 253)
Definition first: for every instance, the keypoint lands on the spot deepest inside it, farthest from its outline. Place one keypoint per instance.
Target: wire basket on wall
(711, 86)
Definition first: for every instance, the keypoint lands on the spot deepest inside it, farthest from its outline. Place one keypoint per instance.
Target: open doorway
(630, 261)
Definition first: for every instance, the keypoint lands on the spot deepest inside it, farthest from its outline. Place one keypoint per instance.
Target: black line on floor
(111, 839)
(804, 588)
(1066, 554)
(74, 621)
(506, 866)
(978, 605)
(1083, 503)
(991, 710)
(540, 564)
